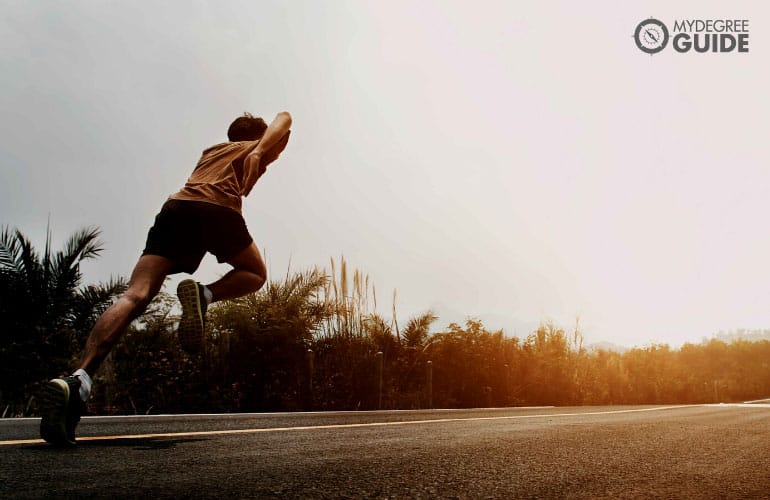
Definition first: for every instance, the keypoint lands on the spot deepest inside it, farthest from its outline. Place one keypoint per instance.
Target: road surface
(709, 451)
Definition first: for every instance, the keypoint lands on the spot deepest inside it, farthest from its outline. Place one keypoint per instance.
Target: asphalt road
(609, 452)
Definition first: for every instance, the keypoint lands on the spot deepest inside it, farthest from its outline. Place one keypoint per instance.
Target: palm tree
(259, 342)
(417, 330)
(44, 312)
(415, 341)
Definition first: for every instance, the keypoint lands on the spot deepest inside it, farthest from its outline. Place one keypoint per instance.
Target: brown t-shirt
(219, 176)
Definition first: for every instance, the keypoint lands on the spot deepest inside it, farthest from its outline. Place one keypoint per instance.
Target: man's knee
(251, 261)
(258, 275)
(139, 298)
(261, 271)
(146, 281)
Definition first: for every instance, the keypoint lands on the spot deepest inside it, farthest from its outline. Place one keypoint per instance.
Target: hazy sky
(516, 162)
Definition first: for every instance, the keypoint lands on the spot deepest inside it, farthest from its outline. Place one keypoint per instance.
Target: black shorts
(185, 230)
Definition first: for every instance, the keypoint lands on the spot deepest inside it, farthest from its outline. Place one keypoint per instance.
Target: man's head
(246, 128)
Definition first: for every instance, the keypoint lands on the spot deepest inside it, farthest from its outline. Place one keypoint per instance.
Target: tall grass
(351, 305)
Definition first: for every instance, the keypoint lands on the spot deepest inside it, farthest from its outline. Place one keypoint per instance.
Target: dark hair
(246, 128)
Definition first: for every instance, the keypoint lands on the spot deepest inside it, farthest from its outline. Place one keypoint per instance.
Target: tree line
(313, 341)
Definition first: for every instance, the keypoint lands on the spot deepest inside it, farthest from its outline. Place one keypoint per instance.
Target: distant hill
(606, 346)
(726, 337)
(741, 334)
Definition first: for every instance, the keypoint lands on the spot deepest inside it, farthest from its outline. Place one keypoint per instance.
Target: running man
(204, 216)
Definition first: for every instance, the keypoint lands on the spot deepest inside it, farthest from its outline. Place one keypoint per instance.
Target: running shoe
(193, 321)
(61, 408)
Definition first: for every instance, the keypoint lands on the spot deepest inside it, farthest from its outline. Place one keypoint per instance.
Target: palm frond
(84, 244)
(417, 329)
(10, 250)
(28, 260)
(63, 269)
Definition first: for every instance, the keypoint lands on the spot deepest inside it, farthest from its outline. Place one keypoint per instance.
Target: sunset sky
(513, 163)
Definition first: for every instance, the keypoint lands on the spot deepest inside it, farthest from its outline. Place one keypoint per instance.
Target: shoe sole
(191, 323)
(54, 402)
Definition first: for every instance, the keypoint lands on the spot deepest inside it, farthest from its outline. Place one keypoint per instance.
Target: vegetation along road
(691, 451)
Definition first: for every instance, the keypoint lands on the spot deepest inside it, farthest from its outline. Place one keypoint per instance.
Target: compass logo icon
(651, 36)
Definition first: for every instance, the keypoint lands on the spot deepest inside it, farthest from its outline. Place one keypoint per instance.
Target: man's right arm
(277, 133)
(274, 133)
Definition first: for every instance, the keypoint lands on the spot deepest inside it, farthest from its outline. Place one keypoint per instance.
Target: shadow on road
(141, 444)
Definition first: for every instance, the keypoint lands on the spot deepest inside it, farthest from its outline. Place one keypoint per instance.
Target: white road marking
(766, 400)
(347, 426)
(747, 404)
(286, 413)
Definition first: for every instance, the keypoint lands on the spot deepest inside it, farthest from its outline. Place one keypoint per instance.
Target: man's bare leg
(248, 275)
(145, 283)
(62, 400)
